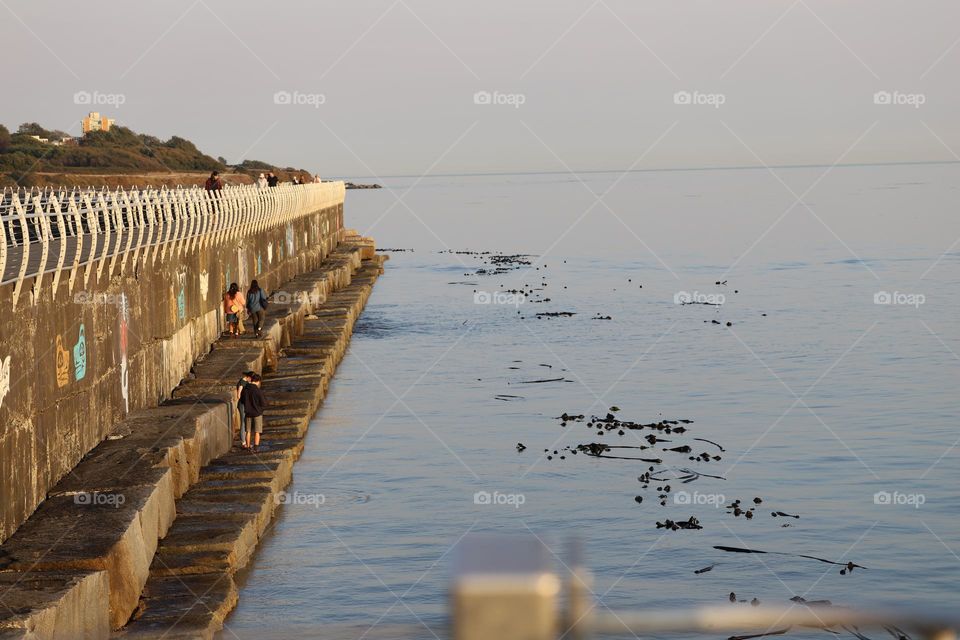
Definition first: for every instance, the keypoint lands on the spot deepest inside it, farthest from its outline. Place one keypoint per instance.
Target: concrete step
(221, 519)
(109, 513)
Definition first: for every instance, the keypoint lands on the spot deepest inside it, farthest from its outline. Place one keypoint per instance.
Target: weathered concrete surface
(107, 517)
(58, 605)
(222, 517)
(80, 357)
(84, 556)
(110, 512)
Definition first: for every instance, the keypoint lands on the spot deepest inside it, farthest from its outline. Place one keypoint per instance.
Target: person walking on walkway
(254, 404)
(214, 183)
(272, 179)
(241, 385)
(232, 308)
(256, 306)
(262, 182)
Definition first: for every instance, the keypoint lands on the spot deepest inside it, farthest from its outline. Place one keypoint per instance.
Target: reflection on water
(825, 402)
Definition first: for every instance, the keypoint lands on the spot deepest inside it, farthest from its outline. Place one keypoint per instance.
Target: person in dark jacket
(272, 180)
(214, 183)
(242, 384)
(256, 306)
(254, 404)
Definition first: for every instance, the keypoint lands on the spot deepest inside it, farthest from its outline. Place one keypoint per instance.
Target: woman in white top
(262, 182)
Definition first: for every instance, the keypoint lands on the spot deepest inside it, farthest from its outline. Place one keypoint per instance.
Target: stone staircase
(128, 535)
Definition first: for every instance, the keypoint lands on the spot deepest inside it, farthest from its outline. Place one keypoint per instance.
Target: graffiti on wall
(259, 265)
(291, 242)
(270, 253)
(80, 355)
(4, 379)
(182, 295)
(63, 363)
(241, 266)
(204, 284)
(124, 318)
(71, 363)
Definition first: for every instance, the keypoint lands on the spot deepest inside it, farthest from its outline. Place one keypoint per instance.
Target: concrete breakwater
(114, 295)
(145, 534)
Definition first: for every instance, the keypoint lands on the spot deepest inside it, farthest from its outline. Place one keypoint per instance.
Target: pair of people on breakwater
(251, 404)
(254, 304)
(268, 180)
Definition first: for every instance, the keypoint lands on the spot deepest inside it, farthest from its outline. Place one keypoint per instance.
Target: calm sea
(828, 403)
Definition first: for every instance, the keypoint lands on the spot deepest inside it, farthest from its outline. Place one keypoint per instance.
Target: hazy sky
(389, 87)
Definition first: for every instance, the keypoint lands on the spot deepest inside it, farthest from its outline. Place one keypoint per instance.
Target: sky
(414, 87)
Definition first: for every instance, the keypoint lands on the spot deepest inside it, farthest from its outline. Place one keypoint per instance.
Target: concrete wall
(72, 363)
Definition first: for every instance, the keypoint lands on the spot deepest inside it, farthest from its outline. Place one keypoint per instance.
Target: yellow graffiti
(63, 364)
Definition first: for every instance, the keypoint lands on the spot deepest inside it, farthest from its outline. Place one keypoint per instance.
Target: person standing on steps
(241, 385)
(256, 306)
(232, 308)
(254, 404)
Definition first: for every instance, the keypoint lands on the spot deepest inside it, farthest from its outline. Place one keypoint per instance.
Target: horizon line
(663, 169)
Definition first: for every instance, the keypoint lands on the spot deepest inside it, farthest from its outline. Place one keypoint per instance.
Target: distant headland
(108, 155)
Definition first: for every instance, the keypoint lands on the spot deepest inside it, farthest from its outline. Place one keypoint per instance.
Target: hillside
(118, 157)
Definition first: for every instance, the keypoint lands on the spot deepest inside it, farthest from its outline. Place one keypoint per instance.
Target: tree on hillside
(4, 138)
(31, 129)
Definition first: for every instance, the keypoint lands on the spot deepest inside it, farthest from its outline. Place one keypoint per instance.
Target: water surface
(820, 397)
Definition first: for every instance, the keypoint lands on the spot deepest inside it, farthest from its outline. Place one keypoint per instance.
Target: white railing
(49, 232)
(507, 587)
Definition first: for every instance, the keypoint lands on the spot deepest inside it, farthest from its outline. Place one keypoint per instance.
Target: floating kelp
(848, 567)
(711, 442)
(778, 632)
(598, 450)
(691, 523)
